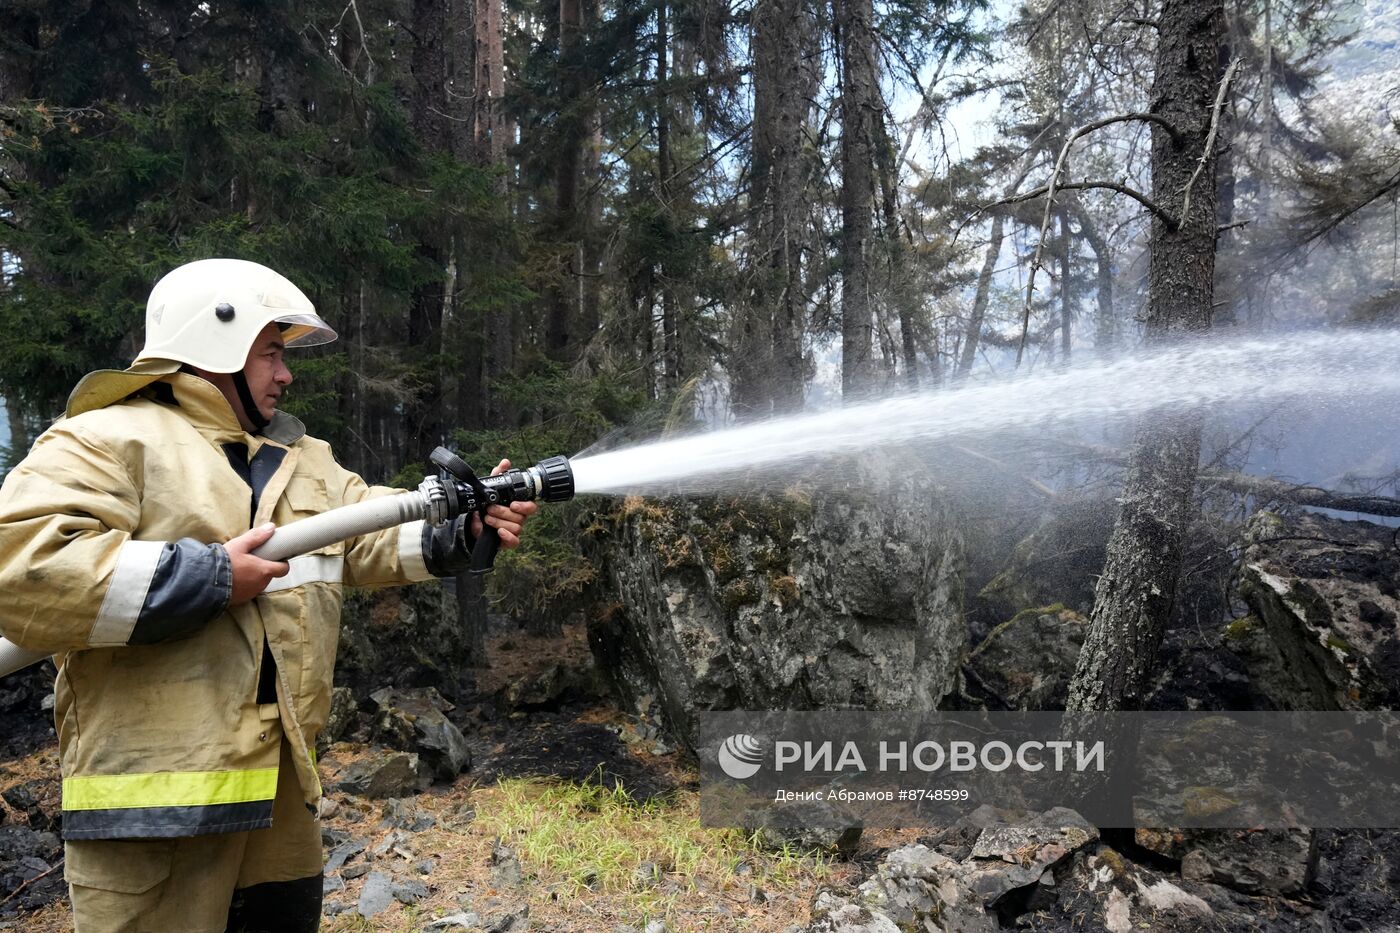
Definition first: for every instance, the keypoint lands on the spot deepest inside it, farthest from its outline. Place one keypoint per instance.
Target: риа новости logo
(741, 756)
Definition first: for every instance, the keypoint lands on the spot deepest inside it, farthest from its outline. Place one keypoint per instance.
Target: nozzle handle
(484, 551)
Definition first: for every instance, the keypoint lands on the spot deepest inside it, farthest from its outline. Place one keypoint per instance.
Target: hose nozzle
(553, 479)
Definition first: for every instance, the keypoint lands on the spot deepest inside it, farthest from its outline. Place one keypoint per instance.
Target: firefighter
(193, 676)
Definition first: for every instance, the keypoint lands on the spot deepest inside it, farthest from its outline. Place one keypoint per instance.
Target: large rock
(1325, 626)
(800, 600)
(416, 720)
(1266, 861)
(383, 774)
(1026, 662)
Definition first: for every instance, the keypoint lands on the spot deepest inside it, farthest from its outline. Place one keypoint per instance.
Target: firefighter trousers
(248, 881)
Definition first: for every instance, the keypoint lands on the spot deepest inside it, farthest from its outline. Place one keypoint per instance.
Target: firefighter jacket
(111, 558)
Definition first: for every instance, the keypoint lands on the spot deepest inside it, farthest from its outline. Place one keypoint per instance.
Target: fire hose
(455, 491)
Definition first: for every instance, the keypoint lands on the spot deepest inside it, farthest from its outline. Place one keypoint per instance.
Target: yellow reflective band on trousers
(168, 789)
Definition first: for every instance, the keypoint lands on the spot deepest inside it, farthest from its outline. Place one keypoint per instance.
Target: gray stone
(354, 871)
(340, 721)
(335, 908)
(383, 774)
(646, 875)
(332, 883)
(833, 914)
(803, 826)
(1324, 633)
(505, 867)
(722, 605)
(425, 866)
(464, 921)
(344, 852)
(656, 926)
(376, 895)
(415, 720)
(916, 885)
(404, 814)
(409, 890)
(1269, 861)
(511, 920)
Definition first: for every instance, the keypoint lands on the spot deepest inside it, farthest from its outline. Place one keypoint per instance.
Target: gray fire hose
(438, 499)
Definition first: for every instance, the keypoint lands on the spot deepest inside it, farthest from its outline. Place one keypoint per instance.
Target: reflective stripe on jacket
(111, 557)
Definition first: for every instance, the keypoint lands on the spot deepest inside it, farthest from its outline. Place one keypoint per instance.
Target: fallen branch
(39, 877)
(1263, 487)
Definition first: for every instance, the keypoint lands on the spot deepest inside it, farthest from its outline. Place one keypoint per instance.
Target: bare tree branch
(1208, 150)
(1049, 191)
(1157, 209)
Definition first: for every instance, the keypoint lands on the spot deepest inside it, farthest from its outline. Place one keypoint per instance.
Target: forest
(549, 228)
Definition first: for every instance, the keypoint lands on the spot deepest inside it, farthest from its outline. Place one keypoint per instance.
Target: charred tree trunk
(1135, 596)
(670, 324)
(860, 111)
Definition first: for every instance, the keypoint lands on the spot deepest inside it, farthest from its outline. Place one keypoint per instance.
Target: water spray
(1320, 369)
(455, 491)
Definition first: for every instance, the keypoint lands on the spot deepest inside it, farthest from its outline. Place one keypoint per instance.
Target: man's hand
(508, 520)
(251, 574)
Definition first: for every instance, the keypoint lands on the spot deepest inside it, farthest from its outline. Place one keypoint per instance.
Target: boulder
(415, 720)
(1324, 629)
(384, 774)
(834, 914)
(1265, 861)
(807, 599)
(1026, 662)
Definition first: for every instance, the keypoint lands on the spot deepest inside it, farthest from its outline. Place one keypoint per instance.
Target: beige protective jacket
(111, 557)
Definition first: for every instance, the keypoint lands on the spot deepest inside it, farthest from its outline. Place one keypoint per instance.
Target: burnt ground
(537, 712)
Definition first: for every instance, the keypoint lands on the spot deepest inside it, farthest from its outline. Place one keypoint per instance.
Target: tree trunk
(980, 300)
(1066, 290)
(1105, 325)
(428, 102)
(973, 336)
(670, 325)
(561, 326)
(765, 365)
(859, 112)
(1135, 596)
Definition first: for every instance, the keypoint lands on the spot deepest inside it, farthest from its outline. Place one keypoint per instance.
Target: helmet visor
(305, 330)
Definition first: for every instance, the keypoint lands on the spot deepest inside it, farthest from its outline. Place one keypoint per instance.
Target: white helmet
(209, 312)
